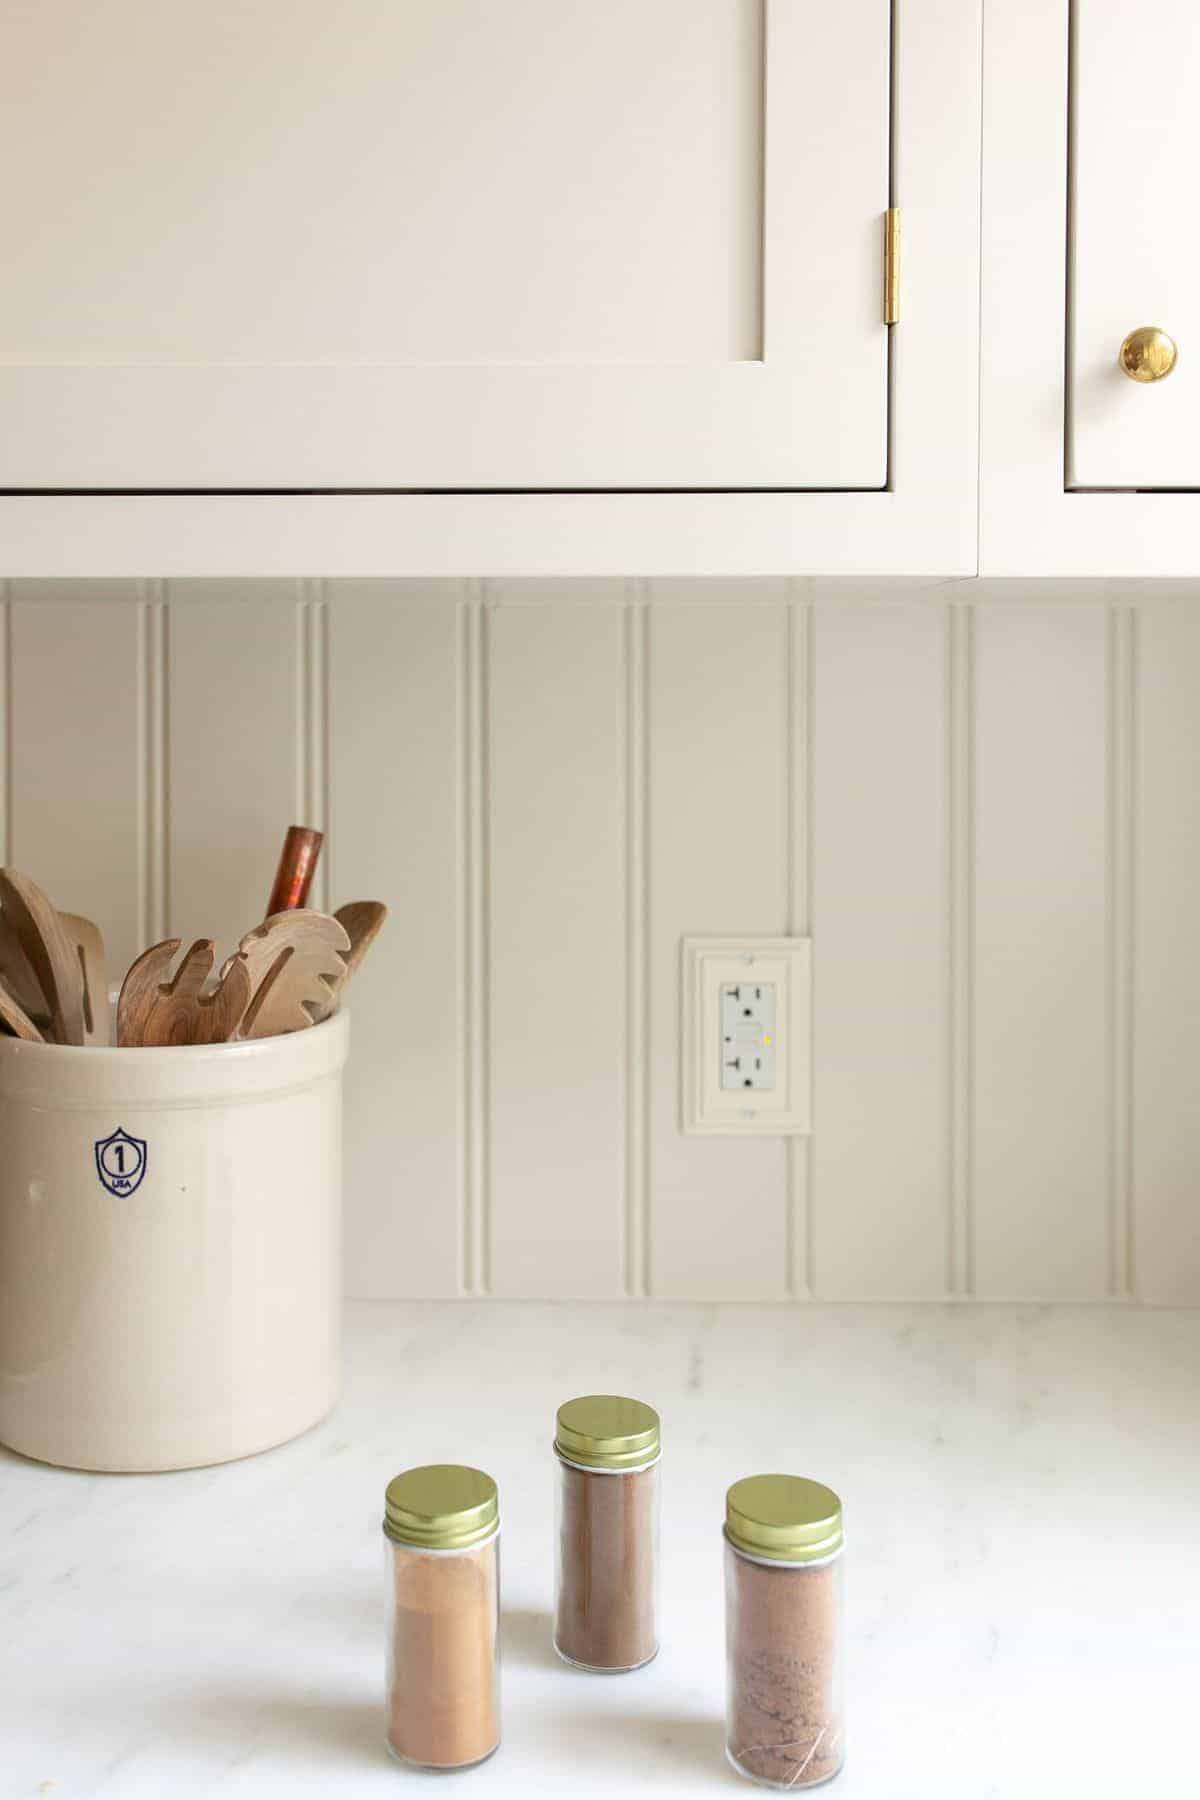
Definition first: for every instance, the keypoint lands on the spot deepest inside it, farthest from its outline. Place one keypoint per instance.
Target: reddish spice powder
(606, 1614)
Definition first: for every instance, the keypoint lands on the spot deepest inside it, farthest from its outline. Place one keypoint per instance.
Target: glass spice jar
(606, 1577)
(442, 1526)
(784, 1610)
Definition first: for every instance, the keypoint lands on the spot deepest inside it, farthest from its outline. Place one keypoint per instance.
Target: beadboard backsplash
(983, 801)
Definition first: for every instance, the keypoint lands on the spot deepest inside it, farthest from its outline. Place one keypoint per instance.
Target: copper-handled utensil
(297, 964)
(52, 958)
(297, 866)
(156, 1010)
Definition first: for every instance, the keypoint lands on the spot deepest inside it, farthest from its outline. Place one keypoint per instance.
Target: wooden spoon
(15, 1021)
(154, 1010)
(88, 944)
(362, 921)
(51, 956)
(297, 965)
(16, 974)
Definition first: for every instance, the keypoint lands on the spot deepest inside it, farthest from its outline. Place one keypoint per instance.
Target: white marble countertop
(1023, 1535)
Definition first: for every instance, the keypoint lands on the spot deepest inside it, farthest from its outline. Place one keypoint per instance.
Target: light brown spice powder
(443, 1709)
(784, 1722)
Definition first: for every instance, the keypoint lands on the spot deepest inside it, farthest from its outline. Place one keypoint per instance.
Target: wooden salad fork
(297, 964)
(156, 1010)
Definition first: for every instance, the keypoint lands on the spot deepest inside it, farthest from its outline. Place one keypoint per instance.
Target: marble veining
(1023, 1559)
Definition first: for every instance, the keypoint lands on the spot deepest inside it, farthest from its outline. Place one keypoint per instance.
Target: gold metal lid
(607, 1431)
(442, 1506)
(783, 1518)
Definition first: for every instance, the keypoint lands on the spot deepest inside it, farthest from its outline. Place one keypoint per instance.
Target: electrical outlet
(747, 1023)
(748, 1035)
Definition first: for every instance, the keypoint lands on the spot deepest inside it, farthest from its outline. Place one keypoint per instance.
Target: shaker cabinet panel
(441, 244)
(1134, 255)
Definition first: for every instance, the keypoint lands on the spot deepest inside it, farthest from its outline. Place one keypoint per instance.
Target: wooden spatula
(154, 1010)
(297, 963)
(88, 945)
(362, 921)
(52, 958)
(15, 1021)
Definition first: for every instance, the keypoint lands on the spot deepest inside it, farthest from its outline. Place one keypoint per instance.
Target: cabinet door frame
(1030, 522)
(772, 222)
(924, 522)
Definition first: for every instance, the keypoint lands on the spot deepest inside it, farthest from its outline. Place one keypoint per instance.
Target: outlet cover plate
(708, 965)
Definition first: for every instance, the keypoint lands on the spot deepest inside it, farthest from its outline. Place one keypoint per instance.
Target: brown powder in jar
(606, 1591)
(784, 1723)
(443, 1708)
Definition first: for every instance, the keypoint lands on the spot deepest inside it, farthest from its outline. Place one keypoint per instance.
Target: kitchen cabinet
(470, 289)
(449, 245)
(1090, 143)
(1135, 145)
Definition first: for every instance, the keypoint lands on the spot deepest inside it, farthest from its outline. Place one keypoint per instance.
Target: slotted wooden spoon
(88, 944)
(155, 1010)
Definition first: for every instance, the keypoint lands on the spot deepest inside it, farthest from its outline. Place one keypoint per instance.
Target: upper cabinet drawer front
(1135, 256)
(445, 244)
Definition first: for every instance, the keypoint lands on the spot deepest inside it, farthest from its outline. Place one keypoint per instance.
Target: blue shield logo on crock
(121, 1162)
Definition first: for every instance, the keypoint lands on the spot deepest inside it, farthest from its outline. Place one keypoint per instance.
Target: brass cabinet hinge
(891, 265)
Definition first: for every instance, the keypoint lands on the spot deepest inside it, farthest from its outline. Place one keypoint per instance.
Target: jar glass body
(785, 1725)
(606, 1592)
(443, 1674)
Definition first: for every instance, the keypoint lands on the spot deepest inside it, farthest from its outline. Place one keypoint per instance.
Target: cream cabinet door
(443, 244)
(1135, 253)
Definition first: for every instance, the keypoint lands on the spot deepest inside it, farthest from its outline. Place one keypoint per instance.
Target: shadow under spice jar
(607, 1516)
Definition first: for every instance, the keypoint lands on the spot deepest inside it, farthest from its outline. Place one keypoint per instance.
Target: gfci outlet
(747, 1026)
(748, 1034)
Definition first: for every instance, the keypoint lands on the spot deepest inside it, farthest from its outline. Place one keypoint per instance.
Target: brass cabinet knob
(1148, 354)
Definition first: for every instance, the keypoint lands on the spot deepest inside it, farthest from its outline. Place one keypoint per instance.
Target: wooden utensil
(88, 944)
(17, 975)
(154, 1010)
(15, 1021)
(297, 964)
(362, 921)
(297, 866)
(51, 956)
